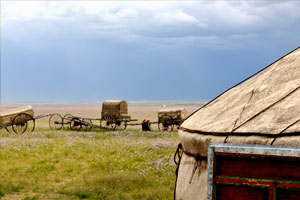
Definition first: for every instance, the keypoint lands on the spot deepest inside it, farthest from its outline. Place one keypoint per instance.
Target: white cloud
(173, 18)
(126, 20)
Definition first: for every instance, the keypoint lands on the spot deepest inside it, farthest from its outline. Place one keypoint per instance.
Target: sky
(88, 51)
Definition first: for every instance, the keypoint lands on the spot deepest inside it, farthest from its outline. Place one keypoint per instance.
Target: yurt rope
(292, 124)
(240, 115)
(178, 153)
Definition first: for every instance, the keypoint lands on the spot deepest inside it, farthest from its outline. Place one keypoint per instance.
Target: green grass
(87, 165)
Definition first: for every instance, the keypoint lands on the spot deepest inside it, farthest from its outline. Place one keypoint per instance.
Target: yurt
(264, 109)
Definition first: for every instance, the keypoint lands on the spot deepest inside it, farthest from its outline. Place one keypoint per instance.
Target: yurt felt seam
(252, 93)
(240, 133)
(241, 82)
(263, 110)
(196, 156)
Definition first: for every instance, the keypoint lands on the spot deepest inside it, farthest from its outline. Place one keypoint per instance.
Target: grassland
(67, 164)
(87, 165)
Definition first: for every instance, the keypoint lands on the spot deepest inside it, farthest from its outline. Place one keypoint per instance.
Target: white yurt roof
(267, 103)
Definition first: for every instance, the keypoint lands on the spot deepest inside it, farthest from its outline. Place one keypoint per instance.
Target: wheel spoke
(109, 123)
(67, 120)
(22, 122)
(165, 123)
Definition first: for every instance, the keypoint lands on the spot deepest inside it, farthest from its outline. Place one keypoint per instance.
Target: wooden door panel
(239, 192)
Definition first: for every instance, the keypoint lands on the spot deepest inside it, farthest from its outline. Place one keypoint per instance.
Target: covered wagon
(170, 118)
(262, 110)
(20, 119)
(115, 114)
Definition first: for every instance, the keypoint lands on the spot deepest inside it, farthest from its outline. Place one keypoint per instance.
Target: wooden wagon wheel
(165, 123)
(76, 123)
(55, 121)
(110, 122)
(67, 120)
(87, 124)
(121, 125)
(22, 122)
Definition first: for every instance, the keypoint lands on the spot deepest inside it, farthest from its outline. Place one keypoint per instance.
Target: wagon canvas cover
(115, 108)
(7, 116)
(264, 109)
(175, 113)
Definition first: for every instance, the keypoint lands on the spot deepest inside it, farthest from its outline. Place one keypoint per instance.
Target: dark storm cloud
(172, 50)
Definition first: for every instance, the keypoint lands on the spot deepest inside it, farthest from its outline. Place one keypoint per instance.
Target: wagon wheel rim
(87, 124)
(110, 122)
(30, 125)
(165, 123)
(55, 122)
(66, 120)
(76, 124)
(22, 122)
(121, 125)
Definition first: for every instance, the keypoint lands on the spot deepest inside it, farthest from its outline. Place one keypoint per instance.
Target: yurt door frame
(253, 172)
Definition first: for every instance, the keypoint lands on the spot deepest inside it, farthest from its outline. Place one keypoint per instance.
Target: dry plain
(65, 164)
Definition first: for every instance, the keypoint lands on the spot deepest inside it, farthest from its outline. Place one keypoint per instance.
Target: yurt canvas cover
(7, 116)
(265, 110)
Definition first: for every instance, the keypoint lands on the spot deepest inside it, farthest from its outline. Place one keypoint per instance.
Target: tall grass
(87, 165)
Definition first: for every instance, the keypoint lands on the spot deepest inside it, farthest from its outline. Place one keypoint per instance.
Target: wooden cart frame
(114, 115)
(20, 120)
(168, 119)
(57, 122)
